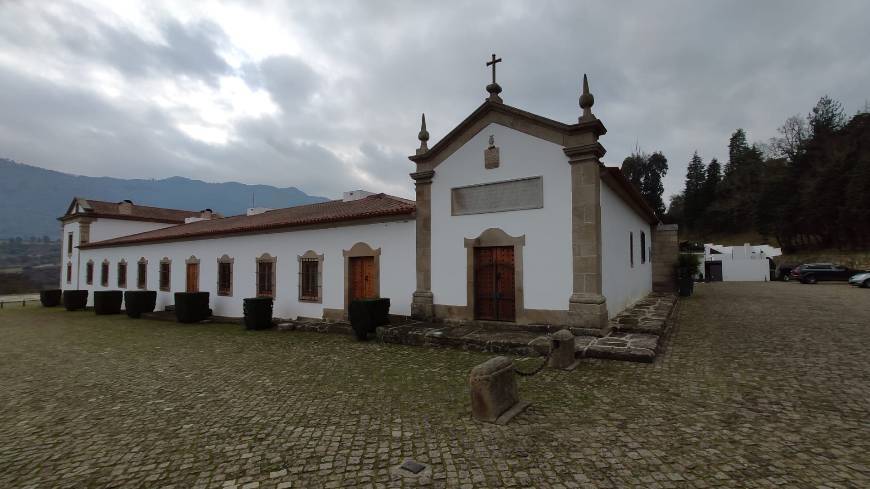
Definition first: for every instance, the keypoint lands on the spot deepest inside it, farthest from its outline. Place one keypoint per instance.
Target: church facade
(516, 220)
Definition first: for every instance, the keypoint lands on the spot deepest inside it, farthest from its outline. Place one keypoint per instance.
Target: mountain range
(32, 198)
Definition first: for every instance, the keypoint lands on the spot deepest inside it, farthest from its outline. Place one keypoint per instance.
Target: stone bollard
(494, 396)
(562, 350)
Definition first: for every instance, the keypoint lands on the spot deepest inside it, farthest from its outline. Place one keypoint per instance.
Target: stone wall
(666, 249)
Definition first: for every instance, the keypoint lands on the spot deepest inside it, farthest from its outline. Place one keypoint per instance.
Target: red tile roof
(335, 211)
(127, 211)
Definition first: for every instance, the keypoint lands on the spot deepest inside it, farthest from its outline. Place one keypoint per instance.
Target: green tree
(827, 116)
(693, 195)
(645, 171)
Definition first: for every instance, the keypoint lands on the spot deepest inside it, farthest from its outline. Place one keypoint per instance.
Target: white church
(516, 220)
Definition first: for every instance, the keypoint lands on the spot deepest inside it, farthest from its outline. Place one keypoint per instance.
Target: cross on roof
(492, 63)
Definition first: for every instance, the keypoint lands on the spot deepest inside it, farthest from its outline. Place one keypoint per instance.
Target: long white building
(515, 220)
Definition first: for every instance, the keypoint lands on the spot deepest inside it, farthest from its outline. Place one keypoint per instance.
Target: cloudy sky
(326, 96)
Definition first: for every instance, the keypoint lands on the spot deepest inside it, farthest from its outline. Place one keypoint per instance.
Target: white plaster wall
(547, 253)
(622, 284)
(743, 270)
(397, 261)
(102, 229)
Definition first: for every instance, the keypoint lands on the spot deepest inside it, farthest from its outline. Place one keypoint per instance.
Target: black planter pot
(191, 307)
(367, 314)
(108, 301)
(687, 286)
(50, 298)
(75, 300)
(258, 312)
(138, 301)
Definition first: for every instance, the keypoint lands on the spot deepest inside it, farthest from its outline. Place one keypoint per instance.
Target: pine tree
(737, 148)
(693, 195)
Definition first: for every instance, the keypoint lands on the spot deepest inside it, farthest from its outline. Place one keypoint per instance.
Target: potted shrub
(687, 266)
(367, 314)
(191, 307)
(108, 301)
(74, 300)
(258, 312)
(50, 298)
(138, 301)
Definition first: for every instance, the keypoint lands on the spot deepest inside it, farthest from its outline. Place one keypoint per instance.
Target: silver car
(860, 279)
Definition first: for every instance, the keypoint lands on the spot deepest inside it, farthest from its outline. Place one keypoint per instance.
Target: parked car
(860, 279)
(795, 273)
(818, 272)
(783, 272)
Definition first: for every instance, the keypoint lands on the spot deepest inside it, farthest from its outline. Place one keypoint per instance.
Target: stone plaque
(511, 195)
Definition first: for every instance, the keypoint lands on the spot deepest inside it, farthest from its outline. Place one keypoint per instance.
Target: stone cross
(492, 63)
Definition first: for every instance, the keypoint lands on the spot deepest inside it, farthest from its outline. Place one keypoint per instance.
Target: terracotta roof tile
(128, 211)
(373, 206)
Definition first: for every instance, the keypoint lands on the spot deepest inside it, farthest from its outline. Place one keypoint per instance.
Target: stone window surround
(496, 237)
(142, 282)
(225, 259)
(361, 249)
(168, 276)
(89, 272)
(69, 272)
(122, 277)
(266, 258)
(311, 255)
(104, 273)
(69, 243)
(192, 260)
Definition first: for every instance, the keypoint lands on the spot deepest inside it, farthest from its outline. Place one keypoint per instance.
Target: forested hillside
(807, 189)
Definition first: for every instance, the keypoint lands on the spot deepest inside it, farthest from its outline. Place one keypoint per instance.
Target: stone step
(631, 347)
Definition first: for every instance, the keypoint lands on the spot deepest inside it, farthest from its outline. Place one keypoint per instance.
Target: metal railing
(18, 302)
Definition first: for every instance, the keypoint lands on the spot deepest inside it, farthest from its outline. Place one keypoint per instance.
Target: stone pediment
(491, 112)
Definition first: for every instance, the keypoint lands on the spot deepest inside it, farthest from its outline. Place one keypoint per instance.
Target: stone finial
(586, 101)
(423, 136)
(494, 88)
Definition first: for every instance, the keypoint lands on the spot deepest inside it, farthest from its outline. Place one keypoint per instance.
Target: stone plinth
(562, 350)
(494, 397)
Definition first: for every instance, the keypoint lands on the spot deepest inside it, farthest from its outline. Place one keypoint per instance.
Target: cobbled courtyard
(759, 385)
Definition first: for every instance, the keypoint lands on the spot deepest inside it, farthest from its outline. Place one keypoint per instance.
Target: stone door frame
(361, 249)
(496, 237)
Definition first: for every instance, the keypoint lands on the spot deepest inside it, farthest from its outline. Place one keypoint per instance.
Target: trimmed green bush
(137, 302)
(258, 312)
(191, 307)
(367, 314)
(108, 301)
(75, 300)
(50, 298)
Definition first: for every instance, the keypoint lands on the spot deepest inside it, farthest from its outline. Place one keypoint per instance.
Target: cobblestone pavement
(759, 385)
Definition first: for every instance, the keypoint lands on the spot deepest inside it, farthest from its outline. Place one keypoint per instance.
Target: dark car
(783, 272)
(819, 272)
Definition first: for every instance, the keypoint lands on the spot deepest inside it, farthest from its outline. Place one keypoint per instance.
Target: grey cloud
(290, 81)
(670, 76)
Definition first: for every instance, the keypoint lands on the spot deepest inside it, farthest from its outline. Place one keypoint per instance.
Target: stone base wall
(665, 253)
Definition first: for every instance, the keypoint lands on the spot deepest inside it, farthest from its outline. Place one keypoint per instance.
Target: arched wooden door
(494, 298)
(362, 278)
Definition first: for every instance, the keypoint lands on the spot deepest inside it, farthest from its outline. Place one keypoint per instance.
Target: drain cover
(412, 467)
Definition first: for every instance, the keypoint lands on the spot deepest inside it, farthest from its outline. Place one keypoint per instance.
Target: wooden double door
(494, 287)
(361, 284)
